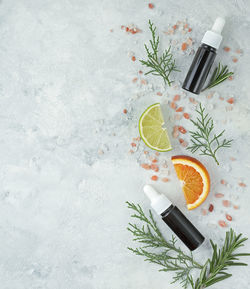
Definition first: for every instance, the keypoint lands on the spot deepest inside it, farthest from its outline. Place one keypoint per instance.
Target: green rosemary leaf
(203, 140)
(220, 74)
(164, 253)
(159, 65)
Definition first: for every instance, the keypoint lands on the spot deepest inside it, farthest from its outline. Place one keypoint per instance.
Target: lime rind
(156, 117)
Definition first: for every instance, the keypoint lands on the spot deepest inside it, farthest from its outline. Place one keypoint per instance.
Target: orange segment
(194, 179)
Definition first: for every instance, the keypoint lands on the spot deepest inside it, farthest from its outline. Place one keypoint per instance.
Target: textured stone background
(65, 167)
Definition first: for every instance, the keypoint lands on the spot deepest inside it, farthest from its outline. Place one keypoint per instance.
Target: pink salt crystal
(239, 51)
(189, 41)
(133, 144)
(210, 95)
(157, 154)
(226, 203)
(175, 134)
(236, 207)
(175, 128)
(176, 97)
(134, 79)
(223, 182)
(159, 93)
(242, 184)
(222, 223)
(144, 82)
(165, 180)
(192, 100)
(219, 195)
(146, 166)
(232, 159)
(184, 144)
(204, 212)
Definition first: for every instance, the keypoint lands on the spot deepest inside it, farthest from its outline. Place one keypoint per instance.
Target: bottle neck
(167, 211)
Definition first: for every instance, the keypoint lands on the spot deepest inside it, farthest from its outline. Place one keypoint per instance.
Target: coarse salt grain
(182, 129)
(179, 109)
(204, 212)
(146, 166)
(175, 134)
(184, 144)
(226, 203)
(165, 180)
(186, 115)
(230, 100)
(242, 184)
(176, 97)
(144, 82)
(173, 105)
(222, 223)
(184, 46)
(154, 178)
(219, 195)
(211, 208)
(226, 48)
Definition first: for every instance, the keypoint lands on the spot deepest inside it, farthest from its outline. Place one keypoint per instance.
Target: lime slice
(152, 131)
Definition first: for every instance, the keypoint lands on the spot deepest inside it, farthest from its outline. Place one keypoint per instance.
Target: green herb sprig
(159, 65)
(220, 74)
(203, 139)
(165, 253)
(170, 257)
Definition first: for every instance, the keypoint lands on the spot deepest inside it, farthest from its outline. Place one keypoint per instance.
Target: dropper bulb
(218, 25)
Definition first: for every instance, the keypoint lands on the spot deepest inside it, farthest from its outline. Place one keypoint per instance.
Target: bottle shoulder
(208, 48)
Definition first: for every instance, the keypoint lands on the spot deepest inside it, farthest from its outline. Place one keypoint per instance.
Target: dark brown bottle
(199, 69)
(174, 218)
(204, 58)
(182, 227)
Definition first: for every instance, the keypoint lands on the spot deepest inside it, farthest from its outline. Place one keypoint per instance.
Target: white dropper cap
(213, 37)
(159, 202)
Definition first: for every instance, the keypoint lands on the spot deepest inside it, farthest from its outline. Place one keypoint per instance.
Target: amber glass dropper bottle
(204, 58)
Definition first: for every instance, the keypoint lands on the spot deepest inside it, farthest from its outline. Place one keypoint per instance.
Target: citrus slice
(152, 131)
(194, 179)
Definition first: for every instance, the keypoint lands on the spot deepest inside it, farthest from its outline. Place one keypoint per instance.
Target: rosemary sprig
(159, 65)
(167, 254)
(203, 140)
(214, 270)
(171, 258)
(220, 74)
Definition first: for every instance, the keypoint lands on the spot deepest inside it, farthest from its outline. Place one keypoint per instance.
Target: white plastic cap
(159, 202)
(213, 37)
(218, 25)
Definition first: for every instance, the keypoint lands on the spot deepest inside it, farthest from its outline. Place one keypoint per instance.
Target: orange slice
(194, 179)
